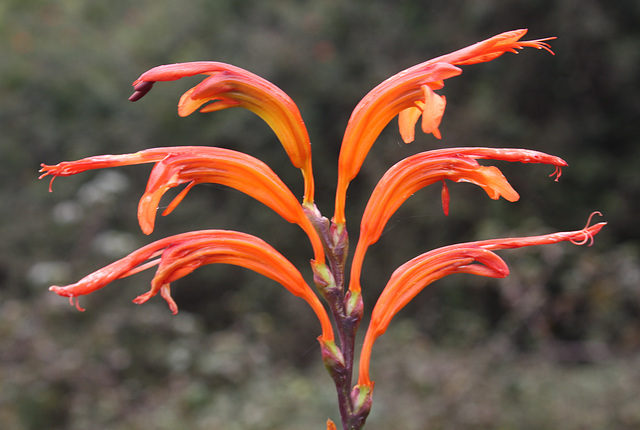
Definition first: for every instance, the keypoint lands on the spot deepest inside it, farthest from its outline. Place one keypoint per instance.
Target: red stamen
(445, 198)
(588, 236)
(77, 304)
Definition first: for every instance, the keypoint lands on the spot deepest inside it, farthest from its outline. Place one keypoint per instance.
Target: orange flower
(412, 277)
(410, 94)
(179, 255)
(193, 165)
(416, 172)
(230, 86)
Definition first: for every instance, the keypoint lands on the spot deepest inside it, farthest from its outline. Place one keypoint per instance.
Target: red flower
(474, 257)
(177, 256)
(416, 172)
(410, 94)
(230, 86)
(193, 165)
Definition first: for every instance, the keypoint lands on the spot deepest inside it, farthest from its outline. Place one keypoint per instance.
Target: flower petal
(407, 120)
(412, 277)
(433, 111)
(494, 47)
(401, 92)
(181, 254)
(475, 258)
(231, 86)
(375, 111)
(418, 171)
(407, 177)
(197, 164)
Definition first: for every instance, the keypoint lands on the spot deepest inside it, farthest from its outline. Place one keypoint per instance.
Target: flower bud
(332, 357)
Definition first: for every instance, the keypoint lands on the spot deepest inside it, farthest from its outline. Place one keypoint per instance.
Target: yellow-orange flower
(231, 86)
(177, 256)
(416, 172)
(411, 95)
(193, 165)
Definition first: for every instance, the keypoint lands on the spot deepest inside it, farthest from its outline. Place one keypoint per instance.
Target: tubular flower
(193, 165)
(411, 95)
(416, 172)
(179, 255)
(475, 258)
(230, 86)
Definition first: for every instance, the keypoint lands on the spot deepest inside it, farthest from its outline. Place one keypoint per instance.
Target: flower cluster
(409, 95)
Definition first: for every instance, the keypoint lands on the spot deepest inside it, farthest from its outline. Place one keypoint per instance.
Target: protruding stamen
(588, 236)
(557, 173)
(77, 303)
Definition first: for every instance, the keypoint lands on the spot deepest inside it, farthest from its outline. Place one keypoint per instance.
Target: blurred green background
(555, 345)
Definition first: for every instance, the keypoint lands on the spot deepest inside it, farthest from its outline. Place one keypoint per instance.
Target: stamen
(588, 236)
(538, 44)
(165, 292)
(178, 198)
(77, 304)
(557, 173)
(143, 266)
(445, 198)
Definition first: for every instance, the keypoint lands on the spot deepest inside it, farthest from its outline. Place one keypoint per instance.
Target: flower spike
(413, 95)
(231, 86)
(410, 94)
(179, 255)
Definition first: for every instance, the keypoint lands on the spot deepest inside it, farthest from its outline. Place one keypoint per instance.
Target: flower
(410, 94)
(475, 258)
(177, 256)
(231, 86)
(193, 165)
(416, 172)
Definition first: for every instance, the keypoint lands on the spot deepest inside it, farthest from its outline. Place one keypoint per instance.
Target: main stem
(347, 312)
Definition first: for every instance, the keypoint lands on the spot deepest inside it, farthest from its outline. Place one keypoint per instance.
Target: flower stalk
(409, 95)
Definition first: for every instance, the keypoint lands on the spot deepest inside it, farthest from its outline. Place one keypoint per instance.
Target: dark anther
(141, 90)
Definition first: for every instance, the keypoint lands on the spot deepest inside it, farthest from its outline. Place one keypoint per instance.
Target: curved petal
(409, 176)
(231, 86)
(418, 171)
(68, 168)
(407, 120)
(412, 277)
(403, 91)
(474, 258)
(181, 254)
(494, 47)
(197, 164)
(226, 167)
(374, 112)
